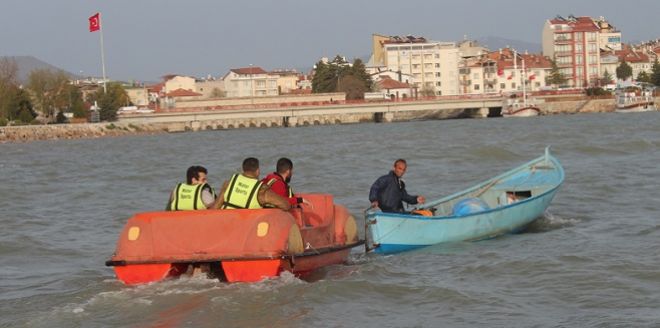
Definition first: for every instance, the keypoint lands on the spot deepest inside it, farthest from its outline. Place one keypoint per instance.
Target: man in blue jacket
(389, 191)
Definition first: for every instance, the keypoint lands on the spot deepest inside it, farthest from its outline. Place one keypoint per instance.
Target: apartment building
(138, 95)
(287, 80)
(174, 82)
(432, 64)
(575, 44)
(639, 61)
(503, 71)
(250, 82)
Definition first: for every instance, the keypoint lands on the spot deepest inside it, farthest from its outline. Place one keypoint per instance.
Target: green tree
(555, 78)
(643, 77)
(655, 73)
(48, 90)
(325, 78)
(353, 87)
(606, 79)
(72, 97)
(427, 91)
(360, 72)
(8, 85)
(624, 71)
(21, 107)
(110, 101)
(217, 93)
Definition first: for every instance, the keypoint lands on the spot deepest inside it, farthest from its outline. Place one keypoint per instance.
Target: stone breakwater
(75, 131)
(321, 116)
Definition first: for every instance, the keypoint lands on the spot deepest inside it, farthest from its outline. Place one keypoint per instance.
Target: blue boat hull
(392, 233)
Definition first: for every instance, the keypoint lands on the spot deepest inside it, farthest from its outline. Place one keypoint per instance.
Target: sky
(146, 39)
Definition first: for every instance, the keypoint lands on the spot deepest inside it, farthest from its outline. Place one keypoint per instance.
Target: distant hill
(493, 43)
(27, 64)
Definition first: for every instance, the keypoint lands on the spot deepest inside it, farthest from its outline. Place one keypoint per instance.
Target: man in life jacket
(246, 191)
(279, 181)
(195, 194)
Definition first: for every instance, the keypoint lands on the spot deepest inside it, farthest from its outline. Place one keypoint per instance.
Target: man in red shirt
(279, 181)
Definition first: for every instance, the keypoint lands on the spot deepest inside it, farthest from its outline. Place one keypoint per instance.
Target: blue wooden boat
(503, 204)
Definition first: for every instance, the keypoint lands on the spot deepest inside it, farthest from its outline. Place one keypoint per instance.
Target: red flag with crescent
(95, 22)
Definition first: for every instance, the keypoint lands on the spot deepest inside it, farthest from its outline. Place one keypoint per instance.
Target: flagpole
(105, 90)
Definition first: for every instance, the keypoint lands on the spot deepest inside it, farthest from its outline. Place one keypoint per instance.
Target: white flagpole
(105, 90)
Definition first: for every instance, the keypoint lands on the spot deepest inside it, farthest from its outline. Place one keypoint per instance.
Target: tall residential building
(574, 43)
(432, 64)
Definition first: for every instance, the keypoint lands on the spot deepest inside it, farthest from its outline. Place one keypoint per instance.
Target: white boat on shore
(513, 107)
(635, 98)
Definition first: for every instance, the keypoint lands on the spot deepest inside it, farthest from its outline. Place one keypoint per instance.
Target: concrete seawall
(292, 117)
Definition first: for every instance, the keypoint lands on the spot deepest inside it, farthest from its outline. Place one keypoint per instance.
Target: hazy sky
(145, 39)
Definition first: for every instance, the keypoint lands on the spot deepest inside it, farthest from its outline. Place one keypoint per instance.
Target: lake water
(592, 261)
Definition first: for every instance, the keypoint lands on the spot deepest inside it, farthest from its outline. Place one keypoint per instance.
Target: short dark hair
(250, 164)
(284, 164)
(400, 160)
(193, 173)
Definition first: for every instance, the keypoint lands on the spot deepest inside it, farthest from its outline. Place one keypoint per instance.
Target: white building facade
(250, 82)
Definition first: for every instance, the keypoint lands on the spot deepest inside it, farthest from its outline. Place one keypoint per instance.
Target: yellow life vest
(189, 197)
(241, 193)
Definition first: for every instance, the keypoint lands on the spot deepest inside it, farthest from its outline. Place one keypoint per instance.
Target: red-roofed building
(181, 93)
(575, 44)
(638, 60)
(393, 89)
(497, 71)
(250, 82)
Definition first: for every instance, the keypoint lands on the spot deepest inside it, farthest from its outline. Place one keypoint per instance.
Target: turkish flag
(533, 76)
(95, 22)
(500, 71)
(510, 77)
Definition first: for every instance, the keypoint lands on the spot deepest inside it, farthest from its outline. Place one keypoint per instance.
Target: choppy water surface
(591, 261)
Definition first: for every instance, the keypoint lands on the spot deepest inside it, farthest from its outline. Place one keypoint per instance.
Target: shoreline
(328, 115)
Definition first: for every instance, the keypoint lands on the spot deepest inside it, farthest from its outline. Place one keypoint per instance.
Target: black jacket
(390, 192)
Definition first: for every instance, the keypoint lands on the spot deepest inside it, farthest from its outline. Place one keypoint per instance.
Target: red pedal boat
(237, 245)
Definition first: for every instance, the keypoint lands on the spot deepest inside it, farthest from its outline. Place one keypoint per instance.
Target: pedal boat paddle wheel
(235, 245)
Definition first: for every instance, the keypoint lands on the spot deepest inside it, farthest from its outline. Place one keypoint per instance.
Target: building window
(437, 65)
(502, 86)
(513, 85)
(476, 87)
(475, 76)
(439, 84)
(437, 74)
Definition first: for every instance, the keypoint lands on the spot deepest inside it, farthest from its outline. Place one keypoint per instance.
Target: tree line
(48, 94)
